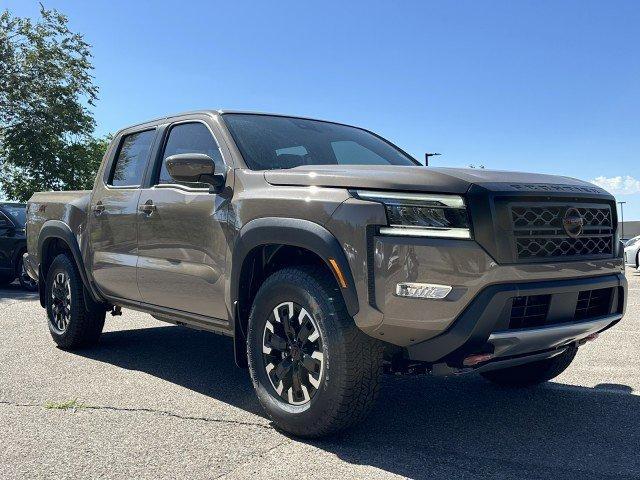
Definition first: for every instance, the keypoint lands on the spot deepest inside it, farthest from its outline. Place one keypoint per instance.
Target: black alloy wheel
(292, 353)
(60, 303)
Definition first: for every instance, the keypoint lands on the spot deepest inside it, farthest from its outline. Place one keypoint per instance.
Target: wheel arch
(302, 237)
(56, 237)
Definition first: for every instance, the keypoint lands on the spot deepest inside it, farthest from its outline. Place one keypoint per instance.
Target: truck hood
(425, 179)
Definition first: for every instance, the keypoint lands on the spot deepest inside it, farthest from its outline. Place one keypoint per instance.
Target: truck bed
(69, 207)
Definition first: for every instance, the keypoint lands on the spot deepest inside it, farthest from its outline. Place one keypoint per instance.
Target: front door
(181, 232)
(113, 215)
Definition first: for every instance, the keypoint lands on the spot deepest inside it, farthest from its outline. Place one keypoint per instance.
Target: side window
(348, 152)
(131, 160)
(189, 138)
(4, 220)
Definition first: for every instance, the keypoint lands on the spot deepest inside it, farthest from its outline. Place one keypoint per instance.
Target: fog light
(422, 290)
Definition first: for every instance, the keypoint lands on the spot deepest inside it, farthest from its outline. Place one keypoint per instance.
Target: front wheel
(532, 373)
(71, 324)
(314, 371)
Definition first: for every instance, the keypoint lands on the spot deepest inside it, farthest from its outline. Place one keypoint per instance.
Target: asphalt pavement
(159, 401)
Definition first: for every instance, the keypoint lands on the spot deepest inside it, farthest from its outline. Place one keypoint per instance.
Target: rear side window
(131, 160)
(189, 138)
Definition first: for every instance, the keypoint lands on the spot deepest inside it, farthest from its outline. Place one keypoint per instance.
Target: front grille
(537, 310)
(528, 312)
(593, 303)
(541, 247)
(539, 232)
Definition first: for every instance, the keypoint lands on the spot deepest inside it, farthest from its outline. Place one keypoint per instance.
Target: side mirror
(194, 168)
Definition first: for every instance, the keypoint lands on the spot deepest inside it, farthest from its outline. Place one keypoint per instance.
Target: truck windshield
(269, 142)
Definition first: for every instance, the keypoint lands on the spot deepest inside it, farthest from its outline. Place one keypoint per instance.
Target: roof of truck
(223, 111)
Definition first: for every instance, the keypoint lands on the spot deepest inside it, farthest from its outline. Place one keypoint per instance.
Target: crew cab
(329, 255)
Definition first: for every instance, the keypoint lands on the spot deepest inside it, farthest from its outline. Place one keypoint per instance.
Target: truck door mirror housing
(194, 168)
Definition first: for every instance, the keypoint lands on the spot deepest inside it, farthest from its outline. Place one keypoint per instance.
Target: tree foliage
(46, 90)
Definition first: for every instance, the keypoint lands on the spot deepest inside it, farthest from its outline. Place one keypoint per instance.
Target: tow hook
(589, 338)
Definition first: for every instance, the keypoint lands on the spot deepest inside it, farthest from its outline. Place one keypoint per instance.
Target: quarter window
(132, 159)
(189, 138)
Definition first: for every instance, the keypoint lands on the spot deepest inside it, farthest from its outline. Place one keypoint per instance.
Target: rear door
(183, 229)
(113, 216)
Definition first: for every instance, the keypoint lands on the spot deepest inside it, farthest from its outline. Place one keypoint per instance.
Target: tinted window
(268, 142)
(18, 212)
(190, 138)
(352, 153)
(132, 159)
(4, 221)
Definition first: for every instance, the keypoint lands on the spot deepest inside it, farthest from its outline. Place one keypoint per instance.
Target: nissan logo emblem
(573, 222)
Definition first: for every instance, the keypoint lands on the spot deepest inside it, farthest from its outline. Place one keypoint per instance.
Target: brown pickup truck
(329, 254)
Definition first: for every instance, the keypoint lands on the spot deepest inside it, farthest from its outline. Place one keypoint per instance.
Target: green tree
(46, 90)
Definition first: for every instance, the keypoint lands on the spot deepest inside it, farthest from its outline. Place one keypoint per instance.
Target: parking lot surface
(159, 401)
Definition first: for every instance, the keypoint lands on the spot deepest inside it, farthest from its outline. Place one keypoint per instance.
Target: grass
(68, 405)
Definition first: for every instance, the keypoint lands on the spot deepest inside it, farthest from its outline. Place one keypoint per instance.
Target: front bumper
(466, 267)
(484, 326)
(434, 329)
(514, 343)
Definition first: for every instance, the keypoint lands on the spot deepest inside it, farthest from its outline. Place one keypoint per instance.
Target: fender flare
(60, 230)
(296, 233)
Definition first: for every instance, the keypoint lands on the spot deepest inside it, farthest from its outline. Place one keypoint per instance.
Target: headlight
(422, 215)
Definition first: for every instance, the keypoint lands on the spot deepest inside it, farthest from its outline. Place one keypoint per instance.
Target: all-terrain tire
(80, 327)
(532, 373)
(352, 364)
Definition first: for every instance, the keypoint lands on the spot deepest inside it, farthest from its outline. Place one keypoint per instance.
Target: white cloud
(626, 185)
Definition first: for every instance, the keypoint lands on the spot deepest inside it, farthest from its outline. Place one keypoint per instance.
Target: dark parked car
(13, 245)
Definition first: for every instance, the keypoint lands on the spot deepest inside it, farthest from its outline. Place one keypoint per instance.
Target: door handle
(148, 207)
(98, 209)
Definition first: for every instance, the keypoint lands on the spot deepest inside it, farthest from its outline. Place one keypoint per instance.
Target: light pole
(427, 156)
(622, 216)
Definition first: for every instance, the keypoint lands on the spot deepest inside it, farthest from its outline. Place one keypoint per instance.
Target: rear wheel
(314, 371)
(70, 323)
(532, 373)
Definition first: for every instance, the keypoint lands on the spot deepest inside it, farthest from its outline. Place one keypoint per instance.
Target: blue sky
(546, 86)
